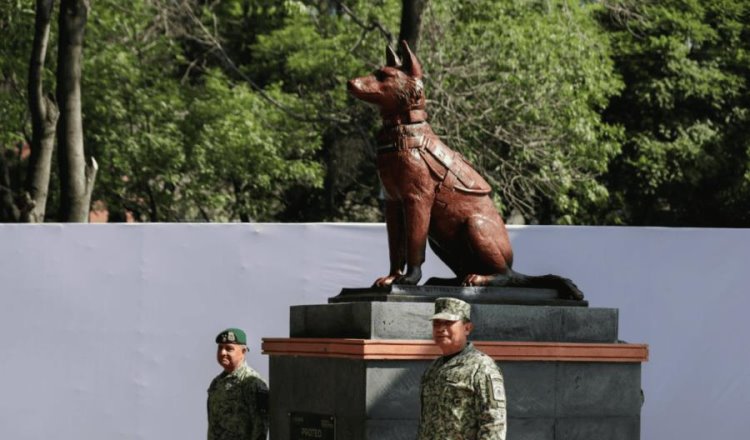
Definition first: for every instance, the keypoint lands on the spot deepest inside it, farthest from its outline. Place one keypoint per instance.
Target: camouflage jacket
(463, 398)
(238, 406)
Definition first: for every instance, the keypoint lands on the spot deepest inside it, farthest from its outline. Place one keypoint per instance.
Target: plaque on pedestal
(307, 426)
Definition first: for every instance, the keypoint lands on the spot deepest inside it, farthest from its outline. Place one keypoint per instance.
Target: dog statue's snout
(353, 84)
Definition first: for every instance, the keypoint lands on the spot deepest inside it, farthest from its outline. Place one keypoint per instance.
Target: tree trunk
(76, 176)
(411, 22)
(44, 117)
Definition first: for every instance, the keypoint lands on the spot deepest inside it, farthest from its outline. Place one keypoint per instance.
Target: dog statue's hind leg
(489, 242)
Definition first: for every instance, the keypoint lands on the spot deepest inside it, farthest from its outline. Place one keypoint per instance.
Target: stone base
(566, 374)
(379, 399)
(492, 322)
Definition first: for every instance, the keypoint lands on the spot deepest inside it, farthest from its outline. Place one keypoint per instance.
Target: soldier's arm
(259, 406)
(421, 435)
(491, 404)
(209, 434)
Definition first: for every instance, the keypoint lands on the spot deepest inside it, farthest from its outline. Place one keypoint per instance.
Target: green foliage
(314, 53)
(685, 111)
(132, 113)
(247, 151)
(16, 21)
(173, 151)
(517, 87)
(595, 112)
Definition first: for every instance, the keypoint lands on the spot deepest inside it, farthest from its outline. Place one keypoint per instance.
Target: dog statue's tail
(565, 287)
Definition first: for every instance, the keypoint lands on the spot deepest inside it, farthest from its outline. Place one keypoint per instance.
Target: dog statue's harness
(451, 169)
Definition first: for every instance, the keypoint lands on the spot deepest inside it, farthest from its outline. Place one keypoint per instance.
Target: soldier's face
(230, 356)
(451, 336)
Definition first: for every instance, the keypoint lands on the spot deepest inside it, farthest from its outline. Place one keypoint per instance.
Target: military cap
(232, 336)
(452, 309)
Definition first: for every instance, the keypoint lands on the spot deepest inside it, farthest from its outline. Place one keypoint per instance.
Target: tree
(181, 132)
(518, 87)
(596, 112)
(20, 176)
(77, 175)
(246, 159)
(312, 56)
(411, 22)
(25, 198)
(134, 106)
(685, 109)
(44, 116)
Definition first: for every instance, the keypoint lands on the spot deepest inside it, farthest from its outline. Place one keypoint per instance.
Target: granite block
(390, 429)
(402, 320)
(544, 323)
(598, 428)
(346, 320)
(379, 399)
(493, 322)
(317, 385)
(531, 429)
(392, 389)
(598, 389)
(530, 388)
(590, 325)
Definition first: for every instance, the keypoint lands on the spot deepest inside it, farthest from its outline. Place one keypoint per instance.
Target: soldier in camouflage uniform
(238, 397)
(462, 392)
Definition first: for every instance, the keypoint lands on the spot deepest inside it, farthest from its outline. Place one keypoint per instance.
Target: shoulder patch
(498, 387)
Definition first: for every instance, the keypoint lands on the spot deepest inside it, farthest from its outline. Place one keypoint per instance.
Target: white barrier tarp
(106, 331)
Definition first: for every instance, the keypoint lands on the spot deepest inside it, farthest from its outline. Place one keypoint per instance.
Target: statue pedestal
(354, 368)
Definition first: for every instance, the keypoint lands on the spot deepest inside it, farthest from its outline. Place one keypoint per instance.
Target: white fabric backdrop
(106, 331)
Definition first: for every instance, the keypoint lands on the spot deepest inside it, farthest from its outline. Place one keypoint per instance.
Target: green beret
(452, 309)
(232, 336)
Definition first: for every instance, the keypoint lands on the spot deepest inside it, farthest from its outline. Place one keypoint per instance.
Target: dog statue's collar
(402, 136)
(404, 143)
(408, 117)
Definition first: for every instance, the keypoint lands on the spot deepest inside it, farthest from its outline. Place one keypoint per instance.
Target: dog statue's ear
(391, 59)
(411, 64)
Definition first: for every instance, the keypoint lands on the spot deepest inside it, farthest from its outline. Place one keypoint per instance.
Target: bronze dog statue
(432, 192)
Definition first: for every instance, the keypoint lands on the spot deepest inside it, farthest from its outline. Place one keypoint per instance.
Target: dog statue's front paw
(386, 280)
(475, 280)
